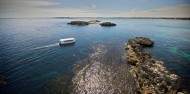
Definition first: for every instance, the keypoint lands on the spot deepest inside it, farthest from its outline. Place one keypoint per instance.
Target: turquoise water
(31, 57)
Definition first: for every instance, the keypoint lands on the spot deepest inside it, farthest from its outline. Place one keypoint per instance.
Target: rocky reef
(79, 23)
(151, 75)
(107, 24)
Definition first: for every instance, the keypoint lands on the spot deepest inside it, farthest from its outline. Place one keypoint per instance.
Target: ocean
(31, 58)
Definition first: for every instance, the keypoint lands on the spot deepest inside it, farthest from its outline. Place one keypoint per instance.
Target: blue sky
(94, 8)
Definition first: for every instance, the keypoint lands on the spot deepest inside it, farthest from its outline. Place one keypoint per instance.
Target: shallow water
(31, 57)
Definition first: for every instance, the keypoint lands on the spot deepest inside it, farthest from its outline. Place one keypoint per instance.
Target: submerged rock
(2, 81)
(79, 23)
(152, 76)
(107, 24)
(59, 85)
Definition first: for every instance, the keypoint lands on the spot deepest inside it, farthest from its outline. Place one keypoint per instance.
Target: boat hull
(65, 43)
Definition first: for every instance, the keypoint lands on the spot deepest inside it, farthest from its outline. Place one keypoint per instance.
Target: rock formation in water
(94, 22)
(107, 24)
(79, 23)
(84, 23)
(151, 74)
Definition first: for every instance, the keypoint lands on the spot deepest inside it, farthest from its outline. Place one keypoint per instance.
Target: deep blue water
(30, 55)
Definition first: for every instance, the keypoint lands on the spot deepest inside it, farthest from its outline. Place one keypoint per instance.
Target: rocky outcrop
(79, 23)
(107, 24)
(94, 22)
(151, 74)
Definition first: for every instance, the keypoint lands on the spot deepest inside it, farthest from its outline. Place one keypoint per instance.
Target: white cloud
(23, 8)
(18, 4)
(34, 8)
(182, 10)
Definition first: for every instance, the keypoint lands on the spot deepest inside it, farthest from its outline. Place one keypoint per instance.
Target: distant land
(176, 18)
(167, 18)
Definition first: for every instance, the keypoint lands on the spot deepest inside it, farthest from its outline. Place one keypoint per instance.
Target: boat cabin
(67, 41)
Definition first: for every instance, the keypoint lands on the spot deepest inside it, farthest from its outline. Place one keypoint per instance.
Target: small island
(79, 23)
(84, 23)
(107, 24)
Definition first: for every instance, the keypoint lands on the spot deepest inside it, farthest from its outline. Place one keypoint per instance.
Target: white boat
(67, 41)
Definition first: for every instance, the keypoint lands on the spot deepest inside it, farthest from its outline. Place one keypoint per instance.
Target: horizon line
(182, 18)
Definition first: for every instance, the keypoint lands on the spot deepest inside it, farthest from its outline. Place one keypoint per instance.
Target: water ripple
(46, 46)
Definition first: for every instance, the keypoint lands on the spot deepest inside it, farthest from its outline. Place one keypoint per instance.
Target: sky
(94, 8)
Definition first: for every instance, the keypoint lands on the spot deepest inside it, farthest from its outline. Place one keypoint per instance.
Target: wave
(46, 46)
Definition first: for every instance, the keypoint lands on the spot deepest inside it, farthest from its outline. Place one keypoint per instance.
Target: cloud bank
(46, 8)
(182, 10)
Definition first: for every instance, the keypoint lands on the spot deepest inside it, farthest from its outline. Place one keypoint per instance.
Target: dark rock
(146, 42)
(79, 23)
(163, 88)
(153, 77)
(107, 24)
(182, 91)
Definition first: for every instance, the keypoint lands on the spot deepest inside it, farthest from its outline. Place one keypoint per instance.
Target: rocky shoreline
(151, 75)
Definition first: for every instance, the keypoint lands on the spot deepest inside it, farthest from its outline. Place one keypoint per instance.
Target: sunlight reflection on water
(99, 75)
